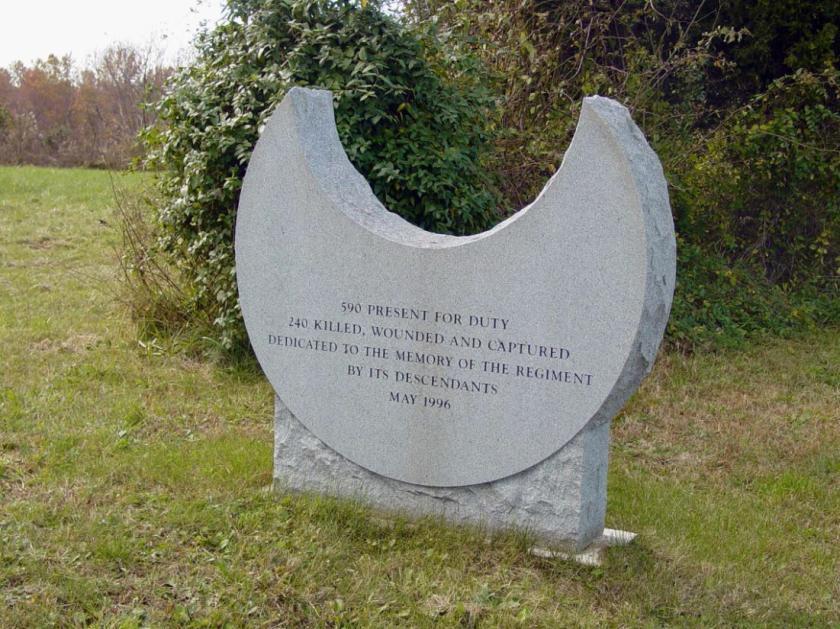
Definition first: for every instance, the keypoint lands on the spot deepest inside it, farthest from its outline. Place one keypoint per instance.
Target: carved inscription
(426, 357)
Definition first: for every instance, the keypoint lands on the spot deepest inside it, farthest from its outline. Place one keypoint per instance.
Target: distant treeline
(53, 113)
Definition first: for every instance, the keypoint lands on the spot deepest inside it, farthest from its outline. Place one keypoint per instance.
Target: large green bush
(767, 187)
(412, 121)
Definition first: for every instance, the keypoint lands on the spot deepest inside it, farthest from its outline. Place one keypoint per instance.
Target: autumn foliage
(53, 113)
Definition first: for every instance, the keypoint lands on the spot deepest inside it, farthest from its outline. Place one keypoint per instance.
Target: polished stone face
(447, 361)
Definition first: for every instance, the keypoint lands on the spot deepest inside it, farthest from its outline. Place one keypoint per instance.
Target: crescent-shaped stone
(588, 267)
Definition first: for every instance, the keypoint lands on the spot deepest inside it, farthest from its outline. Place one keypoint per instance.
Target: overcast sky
(31, 29)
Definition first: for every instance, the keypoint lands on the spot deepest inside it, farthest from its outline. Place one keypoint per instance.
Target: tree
(63, 116)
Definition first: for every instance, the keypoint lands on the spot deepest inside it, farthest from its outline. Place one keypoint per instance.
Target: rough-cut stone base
(561, 501)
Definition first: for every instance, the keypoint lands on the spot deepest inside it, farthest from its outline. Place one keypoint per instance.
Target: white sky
(31, 29)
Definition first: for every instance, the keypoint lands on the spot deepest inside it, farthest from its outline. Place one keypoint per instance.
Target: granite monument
(472, 377)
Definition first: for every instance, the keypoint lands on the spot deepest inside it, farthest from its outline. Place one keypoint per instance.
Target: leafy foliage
(767, 188)
(414, 128)
(546, 56)
(784, 36)
(738, 98)
(718, 304)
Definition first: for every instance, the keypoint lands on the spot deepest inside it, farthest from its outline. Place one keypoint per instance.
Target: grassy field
(133, 478)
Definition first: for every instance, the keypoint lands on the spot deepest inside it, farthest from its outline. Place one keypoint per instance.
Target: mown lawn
(133, 478)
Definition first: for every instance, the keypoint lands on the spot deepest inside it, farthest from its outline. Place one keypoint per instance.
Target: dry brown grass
(748, 413)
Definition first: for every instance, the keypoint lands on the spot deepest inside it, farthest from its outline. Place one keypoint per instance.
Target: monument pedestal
(561, 500)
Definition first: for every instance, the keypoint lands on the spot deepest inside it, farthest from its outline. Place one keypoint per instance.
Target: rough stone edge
(561, 501)
(660, 242)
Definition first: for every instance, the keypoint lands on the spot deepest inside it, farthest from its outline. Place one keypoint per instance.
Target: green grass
(133, 478)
